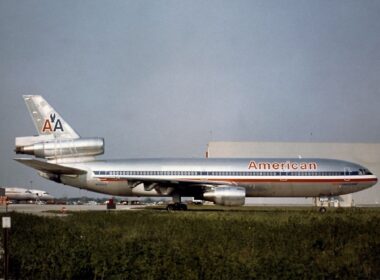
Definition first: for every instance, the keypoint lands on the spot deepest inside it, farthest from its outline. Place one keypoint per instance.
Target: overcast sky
(163, 78)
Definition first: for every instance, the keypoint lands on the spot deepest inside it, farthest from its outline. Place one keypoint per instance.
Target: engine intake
(63, 148)
(226, 195)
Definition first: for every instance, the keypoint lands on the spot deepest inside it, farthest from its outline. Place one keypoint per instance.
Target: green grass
(204, 243)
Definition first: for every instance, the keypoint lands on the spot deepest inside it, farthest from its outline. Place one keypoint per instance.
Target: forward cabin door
(347, 172)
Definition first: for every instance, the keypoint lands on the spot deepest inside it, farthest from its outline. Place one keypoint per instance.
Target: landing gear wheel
(183, 207)
(176, 207)
(170, 207)
(322, 210)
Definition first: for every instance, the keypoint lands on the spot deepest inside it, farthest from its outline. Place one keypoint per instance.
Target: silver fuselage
(261, 177)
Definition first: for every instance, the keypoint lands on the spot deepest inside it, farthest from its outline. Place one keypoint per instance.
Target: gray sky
(162, 78)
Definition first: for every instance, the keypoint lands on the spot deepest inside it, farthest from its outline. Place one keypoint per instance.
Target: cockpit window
(364, 172)
(367, 172)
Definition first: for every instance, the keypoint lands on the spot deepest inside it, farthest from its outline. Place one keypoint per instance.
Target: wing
(179, 181)
(184, 187)
(50, 167)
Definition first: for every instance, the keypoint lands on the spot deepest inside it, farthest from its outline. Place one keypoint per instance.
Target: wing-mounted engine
(226, 195)
(59, 148)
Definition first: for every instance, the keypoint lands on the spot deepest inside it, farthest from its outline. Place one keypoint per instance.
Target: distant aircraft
(19, 194)
(22, 194)
(70, 159)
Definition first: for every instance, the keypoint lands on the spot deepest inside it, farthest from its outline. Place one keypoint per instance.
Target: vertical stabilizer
(46, 120)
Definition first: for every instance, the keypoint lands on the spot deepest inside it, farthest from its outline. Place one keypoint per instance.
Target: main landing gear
(177, 205)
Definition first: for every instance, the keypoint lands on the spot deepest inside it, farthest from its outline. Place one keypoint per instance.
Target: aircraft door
(347, 172)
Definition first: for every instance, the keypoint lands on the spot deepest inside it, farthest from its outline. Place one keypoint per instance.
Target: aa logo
(52, 124)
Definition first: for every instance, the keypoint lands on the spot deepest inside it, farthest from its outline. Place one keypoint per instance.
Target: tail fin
(46, 120)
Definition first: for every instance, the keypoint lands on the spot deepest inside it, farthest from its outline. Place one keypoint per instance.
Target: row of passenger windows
(223, 173)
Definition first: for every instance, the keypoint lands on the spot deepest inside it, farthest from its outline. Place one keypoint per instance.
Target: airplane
(22, 194)
(19, 194)
(70, 159)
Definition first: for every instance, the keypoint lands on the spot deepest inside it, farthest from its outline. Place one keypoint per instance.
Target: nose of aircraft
(372, 182)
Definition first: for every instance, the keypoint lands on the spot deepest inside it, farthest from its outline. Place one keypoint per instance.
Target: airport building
(366, 154)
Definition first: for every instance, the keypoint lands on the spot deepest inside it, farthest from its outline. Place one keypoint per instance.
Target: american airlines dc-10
(70, 159)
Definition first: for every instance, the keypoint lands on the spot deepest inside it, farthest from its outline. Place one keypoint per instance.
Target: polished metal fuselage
(261, 177)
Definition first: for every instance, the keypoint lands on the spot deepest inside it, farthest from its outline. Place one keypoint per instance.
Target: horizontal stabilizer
(50, 167)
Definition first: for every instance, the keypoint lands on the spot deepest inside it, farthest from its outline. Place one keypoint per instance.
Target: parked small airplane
(70, 159)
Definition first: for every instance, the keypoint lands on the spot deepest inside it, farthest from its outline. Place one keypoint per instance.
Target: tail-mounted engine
(60, 148)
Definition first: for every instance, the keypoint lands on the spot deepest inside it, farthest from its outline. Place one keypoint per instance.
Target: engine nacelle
(64, 148)
(50, 176)
(226, 195)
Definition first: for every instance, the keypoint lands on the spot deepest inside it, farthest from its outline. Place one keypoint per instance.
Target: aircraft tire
(322, 210)
(183, 207)
(176, 207)
(170, 208)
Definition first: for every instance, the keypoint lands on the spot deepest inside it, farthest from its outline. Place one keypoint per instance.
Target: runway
(61, 210)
